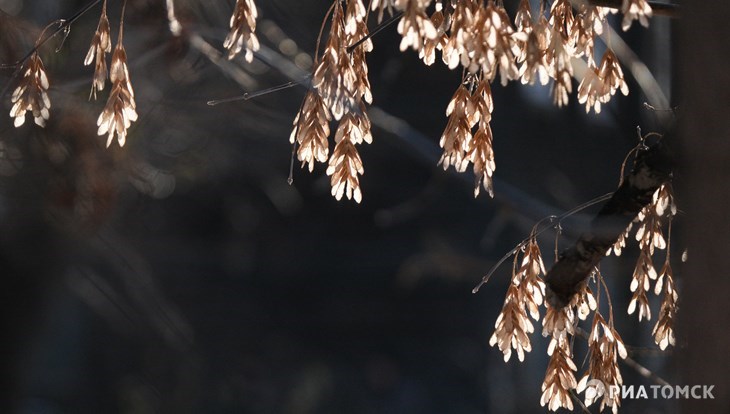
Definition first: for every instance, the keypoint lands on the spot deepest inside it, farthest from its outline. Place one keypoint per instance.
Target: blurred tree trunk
(704, 78)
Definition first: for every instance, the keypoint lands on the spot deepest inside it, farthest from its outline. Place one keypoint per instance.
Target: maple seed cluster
(120, 109)
(477, 35)
(340, 91)
(526, 292)
(31, 95)
(243, 27)
(100, 45)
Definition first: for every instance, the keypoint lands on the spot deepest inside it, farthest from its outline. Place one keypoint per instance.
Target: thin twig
(626, 160)
(551, 220)
(645, 372)
(650, 351)
(375, 31)
(290, 179)
(652, 108)
(66, 23)
(121, 22)
(321, 31)
(580, 403)
(250, 95)
(608, 295)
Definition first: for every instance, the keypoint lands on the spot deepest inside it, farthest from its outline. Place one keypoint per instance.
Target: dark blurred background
(183, 274)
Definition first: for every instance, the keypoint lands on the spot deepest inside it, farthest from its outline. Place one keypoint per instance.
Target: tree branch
(652, 168)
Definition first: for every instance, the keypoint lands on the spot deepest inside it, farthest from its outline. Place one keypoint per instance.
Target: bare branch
(652, 168)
